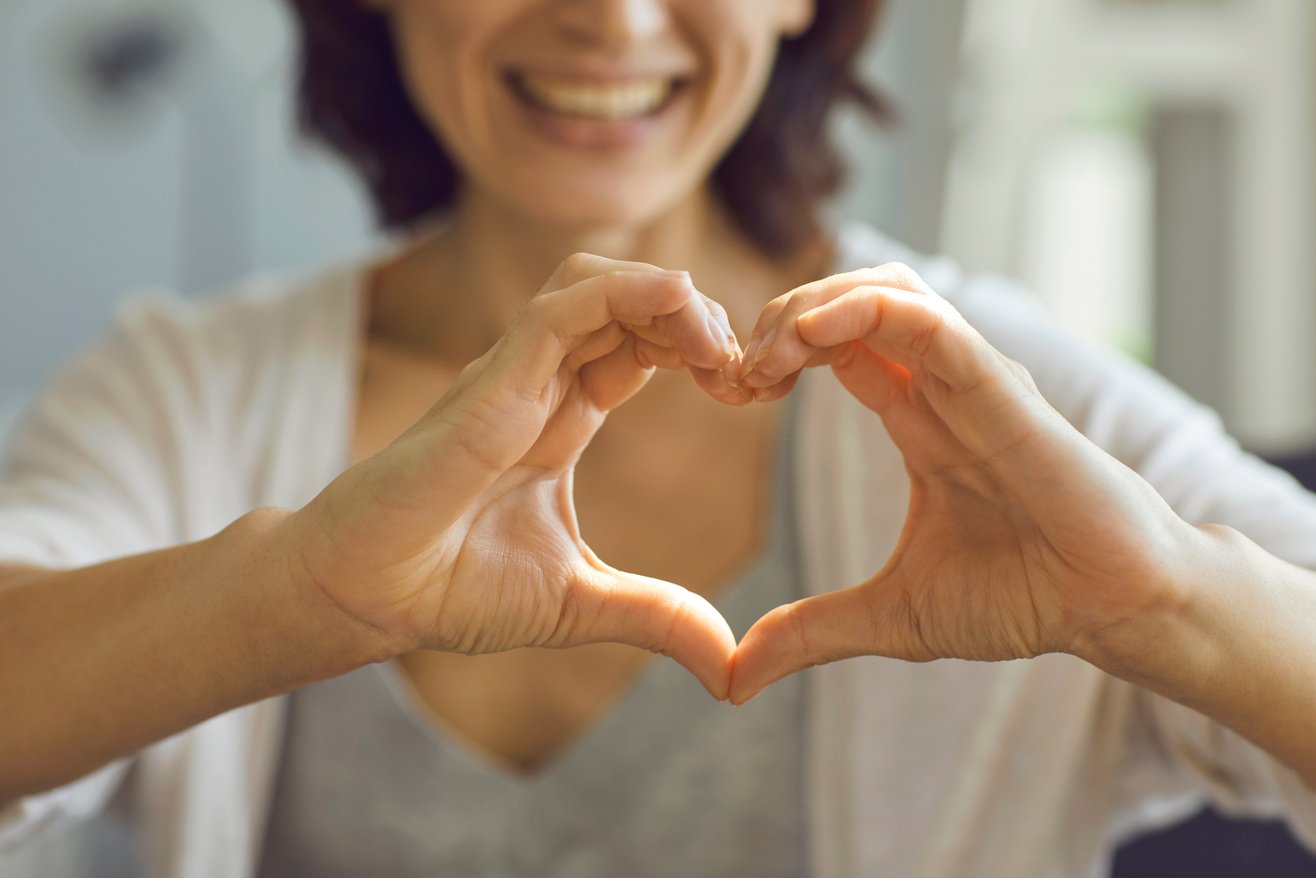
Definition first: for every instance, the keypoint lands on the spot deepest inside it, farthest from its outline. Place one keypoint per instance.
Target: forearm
(1240, 648)
(98, 662)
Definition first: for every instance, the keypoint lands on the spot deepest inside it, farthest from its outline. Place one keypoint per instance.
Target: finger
(767, 319)
(782, 353)
(691, 330)
(584, 266)
(612, 606)
(789, 306)
(597, 345)
(723, 385)
(777, 391)
(615, 378)
(918, 331)
(871, 378)
(601, 386)
(581, 266)
(718, 383)
(776, 348)
(868, 619)
(554, 324)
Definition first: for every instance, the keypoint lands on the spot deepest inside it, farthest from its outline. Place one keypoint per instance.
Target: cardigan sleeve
(91, 473)
(1181, 449)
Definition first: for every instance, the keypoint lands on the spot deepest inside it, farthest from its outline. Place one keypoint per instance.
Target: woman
(286, 503)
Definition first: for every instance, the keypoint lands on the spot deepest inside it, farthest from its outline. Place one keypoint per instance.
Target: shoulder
(259, 320)
(170, 361)
(177, 387)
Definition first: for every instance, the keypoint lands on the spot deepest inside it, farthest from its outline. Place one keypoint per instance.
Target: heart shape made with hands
(1019, 532)
(892, 342)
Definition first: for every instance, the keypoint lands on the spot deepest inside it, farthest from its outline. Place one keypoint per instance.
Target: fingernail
(731, 372)
(758, 349)
(683, 275)
(765, 349)
(746, 364)
(721, 335)
(723, 322)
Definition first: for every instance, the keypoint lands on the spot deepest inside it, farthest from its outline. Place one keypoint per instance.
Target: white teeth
(628, 100)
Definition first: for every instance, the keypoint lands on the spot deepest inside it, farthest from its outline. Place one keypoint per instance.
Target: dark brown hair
(773, 179)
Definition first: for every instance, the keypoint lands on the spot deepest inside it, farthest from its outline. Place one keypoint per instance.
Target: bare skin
(645, 495)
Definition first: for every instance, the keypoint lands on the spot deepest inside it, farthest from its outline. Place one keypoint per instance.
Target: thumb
(613, 606)
(870, 619)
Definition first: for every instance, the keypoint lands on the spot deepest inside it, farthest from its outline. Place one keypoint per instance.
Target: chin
(601, 206)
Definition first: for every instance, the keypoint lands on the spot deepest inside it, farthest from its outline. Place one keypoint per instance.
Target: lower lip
(580, 132)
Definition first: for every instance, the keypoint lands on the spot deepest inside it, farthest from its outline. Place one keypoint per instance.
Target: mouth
(625, 100)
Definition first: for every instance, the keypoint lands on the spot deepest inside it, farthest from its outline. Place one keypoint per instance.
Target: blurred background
(1147, 166)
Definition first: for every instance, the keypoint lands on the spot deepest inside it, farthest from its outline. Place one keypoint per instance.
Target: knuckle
(579, 266)
(926, 335)
(794, 620)
(540, 316)
(901, 275)
(714, 307)
(537, 310)
(1025, 377)
(681, 611)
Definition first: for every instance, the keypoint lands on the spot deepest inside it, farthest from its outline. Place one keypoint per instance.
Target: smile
(606, 102)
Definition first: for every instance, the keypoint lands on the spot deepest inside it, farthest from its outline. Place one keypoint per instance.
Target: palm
(1021, 537)
(1003, 554)
(516, 563)
(462, 534)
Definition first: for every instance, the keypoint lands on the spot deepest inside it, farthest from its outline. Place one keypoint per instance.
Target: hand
(1022, 537)
(462, 534)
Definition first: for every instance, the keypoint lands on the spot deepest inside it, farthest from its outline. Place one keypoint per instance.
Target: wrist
(269, 544)
(1172, 645)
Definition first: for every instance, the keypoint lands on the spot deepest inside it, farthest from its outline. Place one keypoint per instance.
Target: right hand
(462, 534)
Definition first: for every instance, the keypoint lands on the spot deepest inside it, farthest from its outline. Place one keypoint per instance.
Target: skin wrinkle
(299, 571)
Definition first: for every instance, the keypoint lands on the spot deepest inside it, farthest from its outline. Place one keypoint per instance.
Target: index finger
(582, 266)
(919, 332)
(776, 351)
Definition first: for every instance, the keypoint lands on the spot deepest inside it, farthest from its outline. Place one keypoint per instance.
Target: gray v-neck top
(669, 782)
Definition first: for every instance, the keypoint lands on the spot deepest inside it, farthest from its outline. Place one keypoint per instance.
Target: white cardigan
(187, 415)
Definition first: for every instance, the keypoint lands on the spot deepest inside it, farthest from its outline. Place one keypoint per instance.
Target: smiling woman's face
(588, 113)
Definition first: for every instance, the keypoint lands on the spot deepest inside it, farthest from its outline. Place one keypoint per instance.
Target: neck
(490, 259)
(485, 233)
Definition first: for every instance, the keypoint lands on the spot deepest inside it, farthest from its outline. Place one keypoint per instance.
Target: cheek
(740, 46)
(439, 46)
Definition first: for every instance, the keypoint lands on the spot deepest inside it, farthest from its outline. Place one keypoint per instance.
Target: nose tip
(612, 22)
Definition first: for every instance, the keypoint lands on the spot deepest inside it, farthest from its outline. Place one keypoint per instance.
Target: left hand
(1022, 537)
